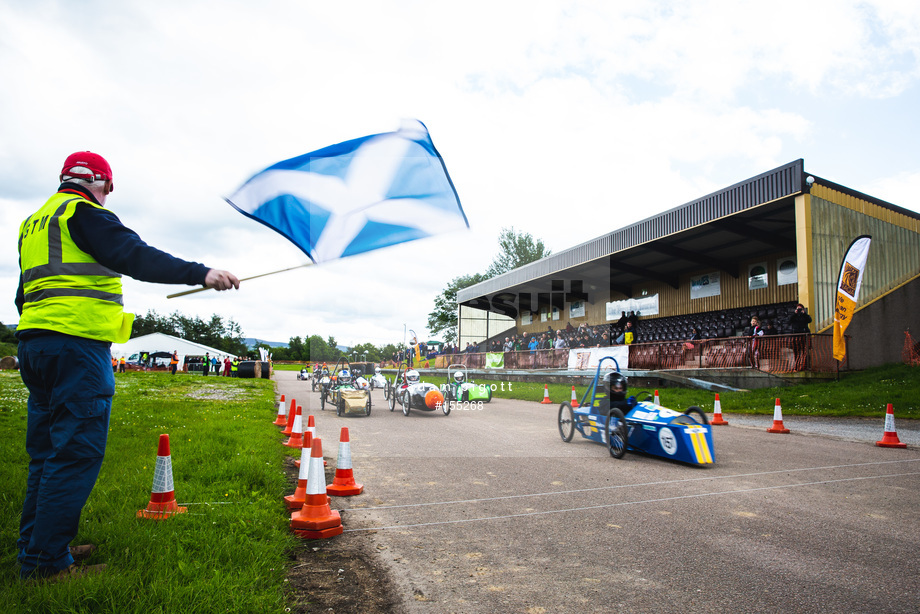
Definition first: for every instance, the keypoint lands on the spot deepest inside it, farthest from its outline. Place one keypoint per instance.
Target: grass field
(229, 553)
(862, 394)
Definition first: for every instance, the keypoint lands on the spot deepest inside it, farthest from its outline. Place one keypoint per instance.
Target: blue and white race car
(608, 417)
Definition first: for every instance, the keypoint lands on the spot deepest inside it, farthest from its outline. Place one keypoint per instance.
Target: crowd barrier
(772, 354)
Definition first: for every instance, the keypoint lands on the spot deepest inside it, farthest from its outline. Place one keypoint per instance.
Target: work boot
(81, 553)
(76, 571)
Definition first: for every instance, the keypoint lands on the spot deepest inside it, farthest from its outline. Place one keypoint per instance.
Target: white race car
(411, 392)
(378, 380)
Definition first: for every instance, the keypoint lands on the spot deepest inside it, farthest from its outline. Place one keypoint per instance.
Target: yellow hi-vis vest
(65, 289)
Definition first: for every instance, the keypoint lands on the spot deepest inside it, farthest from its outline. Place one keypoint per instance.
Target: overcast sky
(598, 113)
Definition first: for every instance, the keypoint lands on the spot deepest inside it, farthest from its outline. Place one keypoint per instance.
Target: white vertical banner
(848, 285)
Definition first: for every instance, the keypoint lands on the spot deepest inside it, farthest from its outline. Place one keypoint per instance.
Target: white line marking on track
(618, 486)
(595, 507)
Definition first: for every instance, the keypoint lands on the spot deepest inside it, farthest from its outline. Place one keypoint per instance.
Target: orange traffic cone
(343, 484)
(546, 400)
(281, 419)
(657, 400)
(316, 519)
(296, 438)
(290, 419)
(777, 420)
(717, 412)
(574, 402)
(890, 437)
(311, 428)
(162, 496)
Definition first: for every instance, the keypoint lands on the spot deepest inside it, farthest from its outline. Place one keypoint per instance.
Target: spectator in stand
(621, 323)
(569, 328)
(768, 329)
(798, 322)
(508, 345)
(604, 340)
(533, 344)
(560, 343)
(756, 333)
(628, 335)
(633, 319)
(695, 334)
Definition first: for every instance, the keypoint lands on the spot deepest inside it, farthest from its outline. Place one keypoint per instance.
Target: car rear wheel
(340, 408)
(616, 433)
(322, 401)
(566, 422)
(391, 398)
(367, 408)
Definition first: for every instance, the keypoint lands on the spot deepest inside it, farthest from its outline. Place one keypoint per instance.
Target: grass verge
(857, 394)
(227, 554)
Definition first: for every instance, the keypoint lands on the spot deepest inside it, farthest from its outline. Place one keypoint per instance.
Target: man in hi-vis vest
(72, 254)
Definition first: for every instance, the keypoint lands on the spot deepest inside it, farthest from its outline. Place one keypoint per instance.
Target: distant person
(72, 254)
(756, 332)
(798, 323)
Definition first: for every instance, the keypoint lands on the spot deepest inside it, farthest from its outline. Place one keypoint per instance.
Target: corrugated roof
(781, 182)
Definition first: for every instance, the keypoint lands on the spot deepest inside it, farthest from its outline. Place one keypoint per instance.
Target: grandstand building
(754, 248)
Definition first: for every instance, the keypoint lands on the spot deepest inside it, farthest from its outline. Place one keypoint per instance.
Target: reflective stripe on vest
(65, 289)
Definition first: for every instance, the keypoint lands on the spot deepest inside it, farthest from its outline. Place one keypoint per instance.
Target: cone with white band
(657, 400)
(296, 438)
(281, 419)
(890, 437)
(778, 426)
(311, 428)
(574, 402)
(162, 503)
(290, 419)
(297, 499)
(316, 520)
(546, 400)
(343, 484)
(717, 412)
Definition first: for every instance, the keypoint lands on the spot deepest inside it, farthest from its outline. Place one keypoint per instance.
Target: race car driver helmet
(458, 377)
(377, 370)
(344, 377)
(412, 377)
(616, 386)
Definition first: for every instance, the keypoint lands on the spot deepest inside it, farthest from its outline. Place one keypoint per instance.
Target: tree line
(514, 250)
(226, 336)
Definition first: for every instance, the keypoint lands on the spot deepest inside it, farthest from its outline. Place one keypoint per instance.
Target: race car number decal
(667, 440)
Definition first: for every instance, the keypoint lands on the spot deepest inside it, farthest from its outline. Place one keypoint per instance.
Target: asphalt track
(489, 511)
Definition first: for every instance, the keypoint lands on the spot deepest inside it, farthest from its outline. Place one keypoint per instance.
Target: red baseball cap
(87, 165)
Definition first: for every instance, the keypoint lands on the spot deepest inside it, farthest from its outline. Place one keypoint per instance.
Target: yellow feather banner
(848, 284)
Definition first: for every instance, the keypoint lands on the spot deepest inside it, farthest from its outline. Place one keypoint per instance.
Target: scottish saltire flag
(356, 196)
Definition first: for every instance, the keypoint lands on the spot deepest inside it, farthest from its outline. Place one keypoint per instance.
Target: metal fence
(773, 354)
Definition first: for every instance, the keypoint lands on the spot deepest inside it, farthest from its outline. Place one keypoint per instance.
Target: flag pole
(202, 289)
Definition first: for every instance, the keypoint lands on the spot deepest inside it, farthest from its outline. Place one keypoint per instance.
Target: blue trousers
(71, 385)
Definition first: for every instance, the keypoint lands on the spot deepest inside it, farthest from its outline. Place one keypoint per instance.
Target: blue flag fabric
(356, 196)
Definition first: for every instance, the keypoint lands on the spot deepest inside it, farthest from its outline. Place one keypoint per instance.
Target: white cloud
(565, 121)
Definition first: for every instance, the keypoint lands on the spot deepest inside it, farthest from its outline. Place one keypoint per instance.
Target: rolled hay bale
(250, 368)
(9, 362)
(266, 369)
